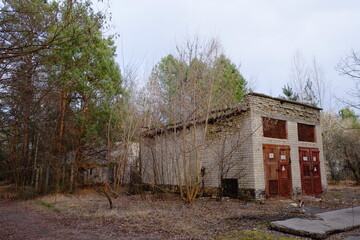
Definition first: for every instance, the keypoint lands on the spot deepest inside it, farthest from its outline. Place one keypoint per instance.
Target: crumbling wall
(293, 113)
(225, 152)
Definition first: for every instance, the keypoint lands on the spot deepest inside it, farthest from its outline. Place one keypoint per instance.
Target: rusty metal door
(277, 170)
(310, 171)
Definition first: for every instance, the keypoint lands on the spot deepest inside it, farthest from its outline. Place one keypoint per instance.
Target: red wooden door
(314, 153)
(310, 171)
(277, 170)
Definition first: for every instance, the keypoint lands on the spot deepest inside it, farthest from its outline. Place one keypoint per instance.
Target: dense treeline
(341, 139)
(58, 82)
(63, 98)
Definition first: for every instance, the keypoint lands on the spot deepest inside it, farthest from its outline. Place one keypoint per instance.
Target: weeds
(332, 195)
(251, 235)
(48, 205)
(26, 193)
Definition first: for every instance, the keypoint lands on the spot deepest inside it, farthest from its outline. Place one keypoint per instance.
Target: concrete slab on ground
(324, 225)
(313, 210)
(357, 237)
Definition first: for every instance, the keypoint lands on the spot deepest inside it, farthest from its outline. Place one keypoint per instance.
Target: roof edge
(283, 100)
(213, 117)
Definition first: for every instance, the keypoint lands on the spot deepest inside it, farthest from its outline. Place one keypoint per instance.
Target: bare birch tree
(307, 81)
(187, 86)
(350, 67)
(299, 74)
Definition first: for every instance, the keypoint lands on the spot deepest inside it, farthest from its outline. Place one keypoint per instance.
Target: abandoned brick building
(265, 147)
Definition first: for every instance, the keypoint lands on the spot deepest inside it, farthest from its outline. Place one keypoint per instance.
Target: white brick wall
(232, 147)
(292, 114)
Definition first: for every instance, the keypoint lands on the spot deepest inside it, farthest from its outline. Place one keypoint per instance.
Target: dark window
(306, 132)
(274, 128)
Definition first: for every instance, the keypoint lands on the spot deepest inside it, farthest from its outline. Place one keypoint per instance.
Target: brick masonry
(230, 147)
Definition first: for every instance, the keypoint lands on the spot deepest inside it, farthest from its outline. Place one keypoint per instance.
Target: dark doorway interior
(230, 187)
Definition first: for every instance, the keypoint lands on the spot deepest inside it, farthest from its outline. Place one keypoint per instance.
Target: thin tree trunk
(46, 189)
(35, 160)
(72, 178)
(63, 176)
(25, 150)
(27, 97)
(62, 117)
(41, 170)
(59, 145)
(37, 173)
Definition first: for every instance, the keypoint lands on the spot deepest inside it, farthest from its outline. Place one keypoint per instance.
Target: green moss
(251, 235)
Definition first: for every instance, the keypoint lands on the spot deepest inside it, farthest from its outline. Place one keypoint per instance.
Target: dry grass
(86, 215)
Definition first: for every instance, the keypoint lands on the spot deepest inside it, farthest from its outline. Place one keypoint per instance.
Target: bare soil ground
(86, 215)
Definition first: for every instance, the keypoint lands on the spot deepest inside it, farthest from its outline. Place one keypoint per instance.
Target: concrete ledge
(325, 224)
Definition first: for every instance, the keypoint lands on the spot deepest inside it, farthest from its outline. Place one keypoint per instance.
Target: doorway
(230, 187)
(277, 170)
(310, 171)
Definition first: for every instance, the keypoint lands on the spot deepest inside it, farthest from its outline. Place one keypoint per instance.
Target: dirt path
(20, 222)
(26, 220)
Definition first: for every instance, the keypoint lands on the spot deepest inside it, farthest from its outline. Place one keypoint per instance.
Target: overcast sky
(261, 35)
